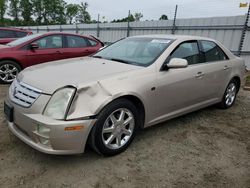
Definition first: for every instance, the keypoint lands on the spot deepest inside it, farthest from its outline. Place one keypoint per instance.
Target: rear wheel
(230, 94)
(8, 71)
(115, 128)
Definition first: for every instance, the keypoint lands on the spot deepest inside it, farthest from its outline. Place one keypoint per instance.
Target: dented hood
(78, 72)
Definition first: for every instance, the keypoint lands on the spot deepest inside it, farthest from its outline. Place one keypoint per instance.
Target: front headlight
(58, 104)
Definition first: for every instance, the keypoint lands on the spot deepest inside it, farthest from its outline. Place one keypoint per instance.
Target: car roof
(15, 29)
(175, 37)
(64, 33)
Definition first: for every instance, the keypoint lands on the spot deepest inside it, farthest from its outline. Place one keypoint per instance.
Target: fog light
(43, 131)
(43, 135)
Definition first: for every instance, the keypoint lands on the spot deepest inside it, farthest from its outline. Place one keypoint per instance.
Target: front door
(50, 49)
(181, 89)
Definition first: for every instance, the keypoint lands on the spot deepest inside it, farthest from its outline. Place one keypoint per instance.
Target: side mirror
(34, 46)
(177, 63)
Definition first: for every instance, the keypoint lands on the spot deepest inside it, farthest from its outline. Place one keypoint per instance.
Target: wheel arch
(238, 80)
(14, 60)
(135, 100)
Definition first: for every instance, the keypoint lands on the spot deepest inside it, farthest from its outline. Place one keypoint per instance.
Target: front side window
(76, 42)
(188, 51)
(7, 34)
(212, 52)
(141, 51)
(53, 41)
(92, 42)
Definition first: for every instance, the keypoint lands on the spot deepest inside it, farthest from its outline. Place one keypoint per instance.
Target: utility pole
(174, 22)
(243, 34)
(98, 26)
(128, 29)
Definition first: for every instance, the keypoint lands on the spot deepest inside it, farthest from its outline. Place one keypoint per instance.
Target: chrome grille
(23, 94)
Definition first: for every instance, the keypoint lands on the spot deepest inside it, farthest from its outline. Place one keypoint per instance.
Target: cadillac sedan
(137, 82)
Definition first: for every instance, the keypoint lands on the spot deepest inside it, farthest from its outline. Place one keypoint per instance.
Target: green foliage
(71, 12)
(163, 17)
(130, 18)
(42, 12)
(83, 15)
(14, 11)
(138, 16)
(26, 11)
(2, 11)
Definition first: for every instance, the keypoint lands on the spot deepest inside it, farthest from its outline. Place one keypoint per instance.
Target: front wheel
(229, 95)
(115, 128)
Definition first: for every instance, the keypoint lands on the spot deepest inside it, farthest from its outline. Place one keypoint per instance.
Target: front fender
(90, 100)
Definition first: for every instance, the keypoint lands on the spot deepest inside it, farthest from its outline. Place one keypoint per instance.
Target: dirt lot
(208, 148)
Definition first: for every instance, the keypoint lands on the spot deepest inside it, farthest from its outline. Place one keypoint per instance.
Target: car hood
(4, 47)
(48, 77)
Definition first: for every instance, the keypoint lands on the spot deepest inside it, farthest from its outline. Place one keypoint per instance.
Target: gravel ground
(208, 148)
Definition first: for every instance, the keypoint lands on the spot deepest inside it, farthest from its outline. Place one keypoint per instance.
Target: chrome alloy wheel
(230, 94)
(8, 72)
(118, 128)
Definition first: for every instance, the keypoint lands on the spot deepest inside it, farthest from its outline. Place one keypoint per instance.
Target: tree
(138, 16)
(38, 10)
(2, 11)
(130, 18)
(71, 12)
(14, 11)
(163, 17)
(26, 10)
(83, 15)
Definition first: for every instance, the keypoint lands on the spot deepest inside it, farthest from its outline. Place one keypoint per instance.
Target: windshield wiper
(97, 56)
(120, 60)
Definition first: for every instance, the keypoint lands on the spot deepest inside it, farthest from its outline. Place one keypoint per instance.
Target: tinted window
(76, 42)
(53, 41)
(7, 34)
(188, 51)
(20, 34)
(212, 52)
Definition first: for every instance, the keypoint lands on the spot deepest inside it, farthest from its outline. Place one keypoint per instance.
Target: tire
(104, 137)
(230, 95)
(8, 71)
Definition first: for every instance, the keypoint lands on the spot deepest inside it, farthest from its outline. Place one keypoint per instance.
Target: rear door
(50, 49)
(77, 46)
(216, 68)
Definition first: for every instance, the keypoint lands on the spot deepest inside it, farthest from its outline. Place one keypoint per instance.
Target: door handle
(225, 67)
(199, 75)
(59, 52)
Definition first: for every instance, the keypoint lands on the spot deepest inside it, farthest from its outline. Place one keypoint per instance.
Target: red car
(40, 48)
(9, 34)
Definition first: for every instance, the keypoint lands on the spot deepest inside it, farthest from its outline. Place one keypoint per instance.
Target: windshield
(23, 40)
(141, 51)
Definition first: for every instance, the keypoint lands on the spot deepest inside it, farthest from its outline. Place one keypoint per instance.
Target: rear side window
(212, 51)
(20, 34)
(7, 34)
(188, 51)
(76, 42)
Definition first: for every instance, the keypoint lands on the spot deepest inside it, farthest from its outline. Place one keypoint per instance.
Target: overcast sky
(153, 9)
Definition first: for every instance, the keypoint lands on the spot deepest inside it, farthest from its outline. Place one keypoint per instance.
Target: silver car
(137, 82)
